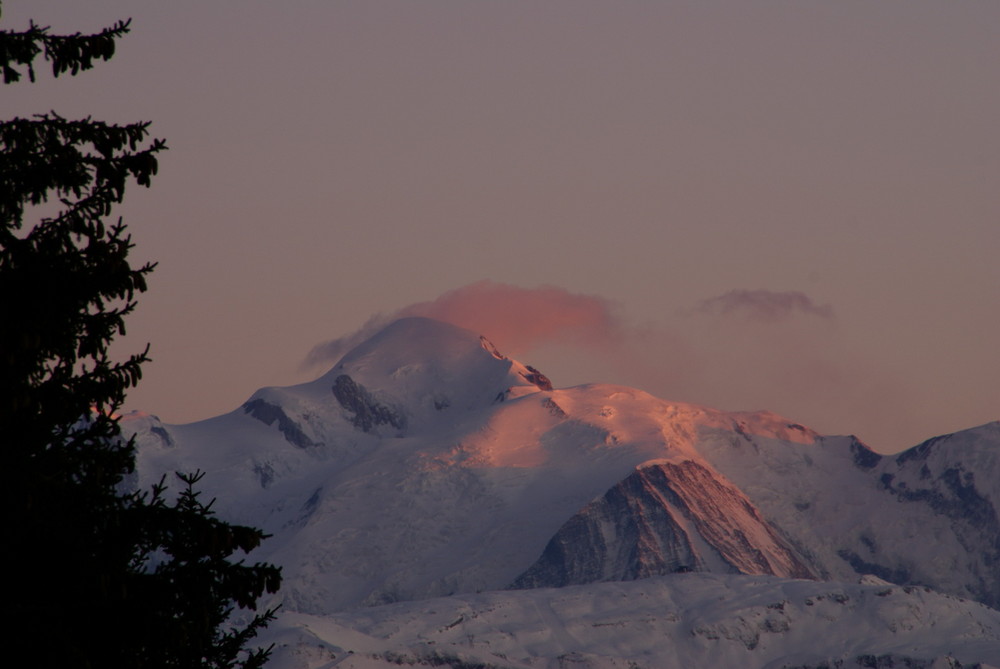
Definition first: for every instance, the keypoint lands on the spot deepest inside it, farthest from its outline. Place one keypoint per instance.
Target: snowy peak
(413, 341)
(976, 445)
(421, 366)
(414, 375)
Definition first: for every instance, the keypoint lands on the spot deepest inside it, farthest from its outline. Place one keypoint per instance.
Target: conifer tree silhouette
(101, 575)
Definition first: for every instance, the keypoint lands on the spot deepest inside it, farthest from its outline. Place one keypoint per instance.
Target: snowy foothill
(666, 622)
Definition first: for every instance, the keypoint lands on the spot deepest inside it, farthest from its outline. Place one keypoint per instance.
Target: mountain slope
(661, 519)
(426, 463)
(925, 516)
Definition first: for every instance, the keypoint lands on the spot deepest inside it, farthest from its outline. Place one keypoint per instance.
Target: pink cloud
(516, 319)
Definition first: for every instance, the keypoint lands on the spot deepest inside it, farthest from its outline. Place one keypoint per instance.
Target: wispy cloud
(766, 306)
(516, 319)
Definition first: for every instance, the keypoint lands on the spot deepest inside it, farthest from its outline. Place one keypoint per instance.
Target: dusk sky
(746, 204)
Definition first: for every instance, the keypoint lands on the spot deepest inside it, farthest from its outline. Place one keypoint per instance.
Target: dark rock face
(862, 566)
(921, 451)
(553, 408)
(973, 518)
(488, 346)
(162, 433)
(536, 377)
(628, 533)
(368, 412)
(268, 413)
(643, 527)
(730, 523)
(265, 473)
(953, 493)
(881, 662)
(309, 508)
(864, 457)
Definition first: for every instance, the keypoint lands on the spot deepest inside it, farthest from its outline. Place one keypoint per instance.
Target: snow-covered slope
(925, 516)
(667, 622)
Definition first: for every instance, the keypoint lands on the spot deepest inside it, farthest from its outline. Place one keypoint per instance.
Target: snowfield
(666, 622)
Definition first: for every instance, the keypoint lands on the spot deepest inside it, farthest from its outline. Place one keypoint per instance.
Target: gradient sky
(791, 206)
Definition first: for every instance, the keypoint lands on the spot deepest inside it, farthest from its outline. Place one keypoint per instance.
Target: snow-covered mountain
(925, 516)
(427, 464)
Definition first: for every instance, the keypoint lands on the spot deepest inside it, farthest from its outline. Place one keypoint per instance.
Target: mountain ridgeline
(427, 464)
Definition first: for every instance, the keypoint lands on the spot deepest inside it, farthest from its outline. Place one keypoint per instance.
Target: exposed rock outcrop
(368, 412)
(268, 414)
(661, 519)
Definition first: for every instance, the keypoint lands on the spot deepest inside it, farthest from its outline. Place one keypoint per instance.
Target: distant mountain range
(426, 465)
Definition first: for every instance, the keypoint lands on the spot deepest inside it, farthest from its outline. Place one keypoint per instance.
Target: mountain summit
(430, 365)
